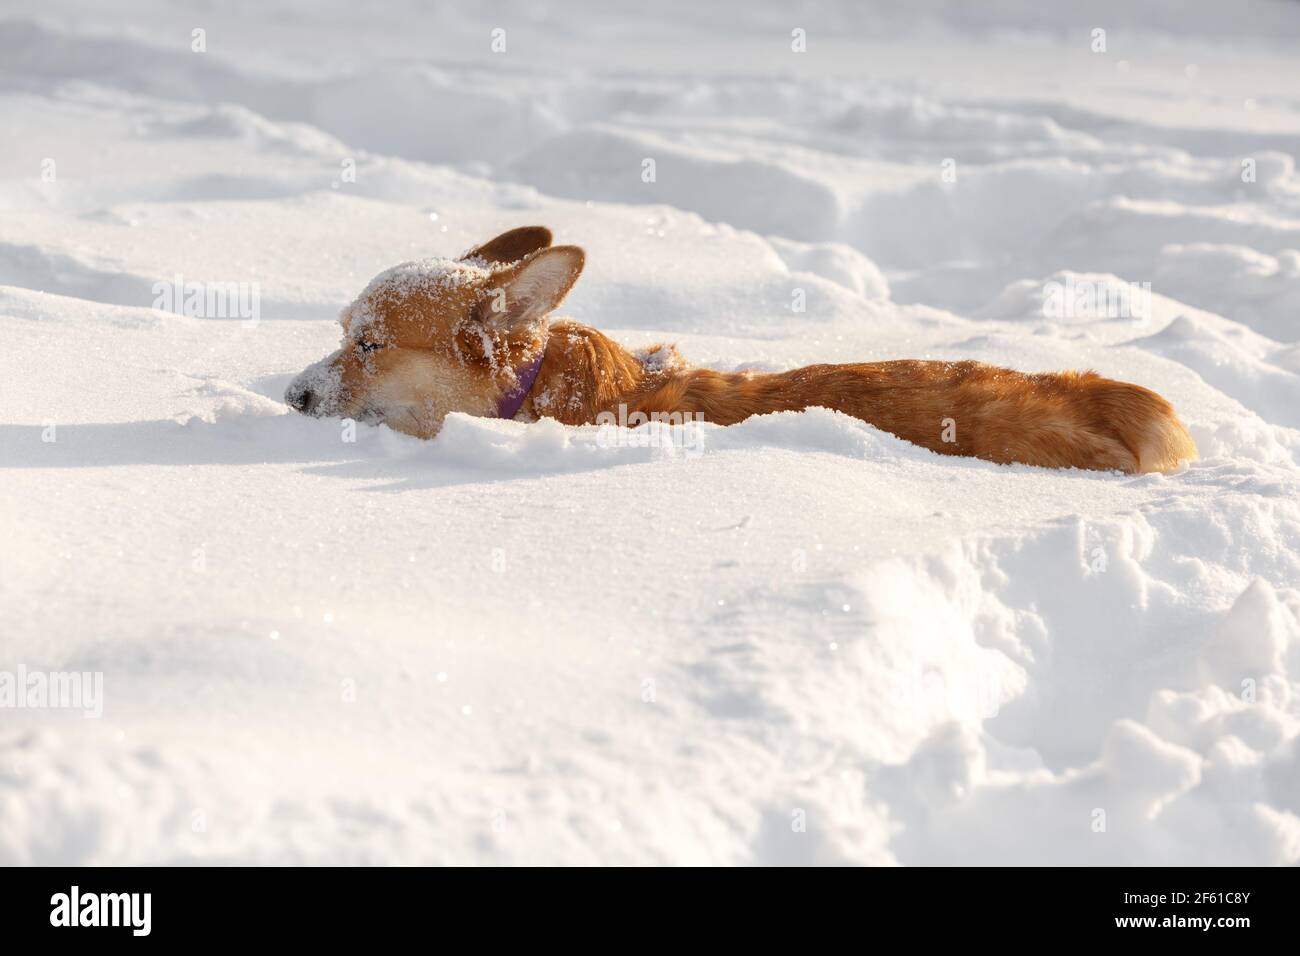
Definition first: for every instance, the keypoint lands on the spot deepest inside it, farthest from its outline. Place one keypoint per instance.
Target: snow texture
(796, 640)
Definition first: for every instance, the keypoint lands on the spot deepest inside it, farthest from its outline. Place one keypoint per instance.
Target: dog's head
(435, 336)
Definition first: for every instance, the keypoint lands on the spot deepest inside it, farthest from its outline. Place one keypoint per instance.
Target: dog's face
(436, 336)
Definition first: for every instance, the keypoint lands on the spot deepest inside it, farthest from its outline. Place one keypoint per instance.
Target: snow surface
(797, 640)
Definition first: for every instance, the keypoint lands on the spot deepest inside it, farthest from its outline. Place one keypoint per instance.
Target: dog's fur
(437, 336)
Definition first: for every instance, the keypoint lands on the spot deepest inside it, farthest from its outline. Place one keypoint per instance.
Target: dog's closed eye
(370, 346)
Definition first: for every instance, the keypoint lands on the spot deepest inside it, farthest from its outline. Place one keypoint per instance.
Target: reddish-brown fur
(1055, 419)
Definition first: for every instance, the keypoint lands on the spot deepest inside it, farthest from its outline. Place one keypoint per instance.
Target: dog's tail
(1050, 419)
(1146, 424)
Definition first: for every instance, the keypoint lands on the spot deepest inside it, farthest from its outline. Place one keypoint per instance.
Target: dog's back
(1058, 419)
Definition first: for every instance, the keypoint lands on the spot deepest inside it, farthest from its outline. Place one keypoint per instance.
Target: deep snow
(794, 640)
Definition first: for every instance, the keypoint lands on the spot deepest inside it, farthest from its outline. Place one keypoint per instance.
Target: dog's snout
(316, 390)
(301, 398)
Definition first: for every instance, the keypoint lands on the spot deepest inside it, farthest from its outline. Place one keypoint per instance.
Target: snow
(795, 640)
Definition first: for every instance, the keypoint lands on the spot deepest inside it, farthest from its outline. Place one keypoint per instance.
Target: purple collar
(508, 405)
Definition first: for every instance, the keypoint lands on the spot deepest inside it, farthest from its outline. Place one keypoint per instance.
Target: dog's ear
(526, 291)
(512, 246)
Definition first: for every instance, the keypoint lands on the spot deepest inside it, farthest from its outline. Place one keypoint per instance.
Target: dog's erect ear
(526, 291)
(513, 245)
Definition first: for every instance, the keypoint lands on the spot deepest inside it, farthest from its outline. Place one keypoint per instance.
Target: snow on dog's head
(435, 336)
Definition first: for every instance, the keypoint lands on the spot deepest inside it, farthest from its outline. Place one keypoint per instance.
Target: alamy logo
(210, 300)
(53, 690)
(1086, 299)
(102, 909)
(679, 431)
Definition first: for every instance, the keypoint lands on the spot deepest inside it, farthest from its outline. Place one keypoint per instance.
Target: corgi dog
(473, 335)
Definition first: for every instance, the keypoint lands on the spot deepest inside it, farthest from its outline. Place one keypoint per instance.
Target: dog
(473, 335)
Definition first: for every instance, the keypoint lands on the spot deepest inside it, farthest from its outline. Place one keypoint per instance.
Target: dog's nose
(301, 398)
